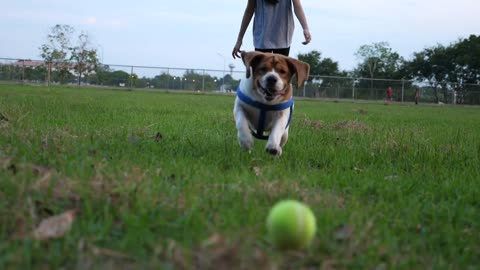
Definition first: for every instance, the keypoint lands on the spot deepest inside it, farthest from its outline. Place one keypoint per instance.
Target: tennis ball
(291, 225)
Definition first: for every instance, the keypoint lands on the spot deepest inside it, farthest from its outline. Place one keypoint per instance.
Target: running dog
(264, 101)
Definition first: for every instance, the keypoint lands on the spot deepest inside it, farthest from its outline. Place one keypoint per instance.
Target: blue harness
(264, 108)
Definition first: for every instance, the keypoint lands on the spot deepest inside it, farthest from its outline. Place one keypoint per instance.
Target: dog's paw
(274, 150)
(246, 144)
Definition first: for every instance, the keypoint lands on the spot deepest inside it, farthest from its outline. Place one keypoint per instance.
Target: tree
(118, 78)
(319, 66)
(35, 74)
(433, 65)
(320, 70)
(101, 75)
(230, 82)
(467, 70)
(163, 81)
(448, 68)
(467, 58)
(378, 60)
(55, 51)
(58, 51)
(84, 57)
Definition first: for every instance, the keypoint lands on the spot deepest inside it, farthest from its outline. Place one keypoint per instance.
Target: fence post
(23, 71)
(304, 85)
(168, 79)
(49, 72)
(203, 81)
(403, 89)
(131, 77)
(353, 90)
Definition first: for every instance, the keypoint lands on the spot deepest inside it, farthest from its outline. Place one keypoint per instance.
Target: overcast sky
(201, 34)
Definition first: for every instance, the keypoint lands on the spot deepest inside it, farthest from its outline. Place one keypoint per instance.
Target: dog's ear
(300, 68)
(251, 59)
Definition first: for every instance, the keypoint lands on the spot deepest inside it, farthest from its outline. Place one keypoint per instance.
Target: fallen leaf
(45, 143)
(176, 254)
(391, 177)
(5, 162)
(158, 137)
(13, 168)
(257, 170)
(55, 226)
(38, 170)
(3, 117)
(357, 169)
(216, 253)
(214, 240)
(343, 232)
(44, 173)
(99, 251)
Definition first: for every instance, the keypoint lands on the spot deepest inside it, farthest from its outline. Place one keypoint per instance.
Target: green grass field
(157, 180)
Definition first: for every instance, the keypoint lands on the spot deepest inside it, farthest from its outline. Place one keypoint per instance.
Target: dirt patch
(351, 125)
(4, 120)
(310, 195)
(315, 124)
(360, 111)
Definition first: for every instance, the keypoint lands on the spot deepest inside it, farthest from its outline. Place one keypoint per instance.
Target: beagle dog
(264, 101)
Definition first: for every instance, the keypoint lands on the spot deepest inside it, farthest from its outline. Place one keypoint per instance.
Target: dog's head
(273, 73)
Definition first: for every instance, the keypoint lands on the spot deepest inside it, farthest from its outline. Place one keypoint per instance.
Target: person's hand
(236, 50)
(307, 35)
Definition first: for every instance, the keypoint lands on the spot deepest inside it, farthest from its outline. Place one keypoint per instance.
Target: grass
(158, 181)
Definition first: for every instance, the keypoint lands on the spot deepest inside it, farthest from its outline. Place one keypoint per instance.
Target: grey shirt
(273, 25)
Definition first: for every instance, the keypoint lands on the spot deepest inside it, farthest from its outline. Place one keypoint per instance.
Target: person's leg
(283, 51)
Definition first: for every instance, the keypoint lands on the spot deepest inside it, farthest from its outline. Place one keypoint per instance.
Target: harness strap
(264, 108)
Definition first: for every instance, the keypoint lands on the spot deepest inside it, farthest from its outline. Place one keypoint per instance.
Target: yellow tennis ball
(291, 225)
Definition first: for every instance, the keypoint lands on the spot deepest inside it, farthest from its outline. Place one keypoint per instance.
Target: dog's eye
(282, 71)
(263, 69)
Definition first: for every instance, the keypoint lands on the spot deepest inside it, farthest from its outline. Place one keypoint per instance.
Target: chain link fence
(205, 80)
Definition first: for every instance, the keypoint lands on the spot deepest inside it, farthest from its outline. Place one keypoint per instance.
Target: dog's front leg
(245, 137)
(278, 136)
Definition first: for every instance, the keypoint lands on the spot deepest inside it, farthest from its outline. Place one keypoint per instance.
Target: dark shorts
(284, 51)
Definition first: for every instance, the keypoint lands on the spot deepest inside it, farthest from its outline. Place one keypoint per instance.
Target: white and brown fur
(268, 80)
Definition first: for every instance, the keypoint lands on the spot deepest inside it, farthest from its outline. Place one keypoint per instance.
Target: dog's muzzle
(270, 91)
(269, 94)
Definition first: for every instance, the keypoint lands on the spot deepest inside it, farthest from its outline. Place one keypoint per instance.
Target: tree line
(443, 68)
(72, 58)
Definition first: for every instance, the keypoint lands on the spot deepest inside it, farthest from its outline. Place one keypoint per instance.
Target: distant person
(273, 25)
(417, 95)
(389, 94)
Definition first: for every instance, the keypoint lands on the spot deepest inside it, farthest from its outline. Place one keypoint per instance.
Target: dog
(264, 101)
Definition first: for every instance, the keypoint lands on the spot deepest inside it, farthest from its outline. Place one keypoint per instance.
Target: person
(389, 94)
(273, 25)
(417, 95)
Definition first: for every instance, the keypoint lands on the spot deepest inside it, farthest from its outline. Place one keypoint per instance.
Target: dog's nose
(271, 80)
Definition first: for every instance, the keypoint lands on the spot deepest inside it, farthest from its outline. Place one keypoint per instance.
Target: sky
(201, 34)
